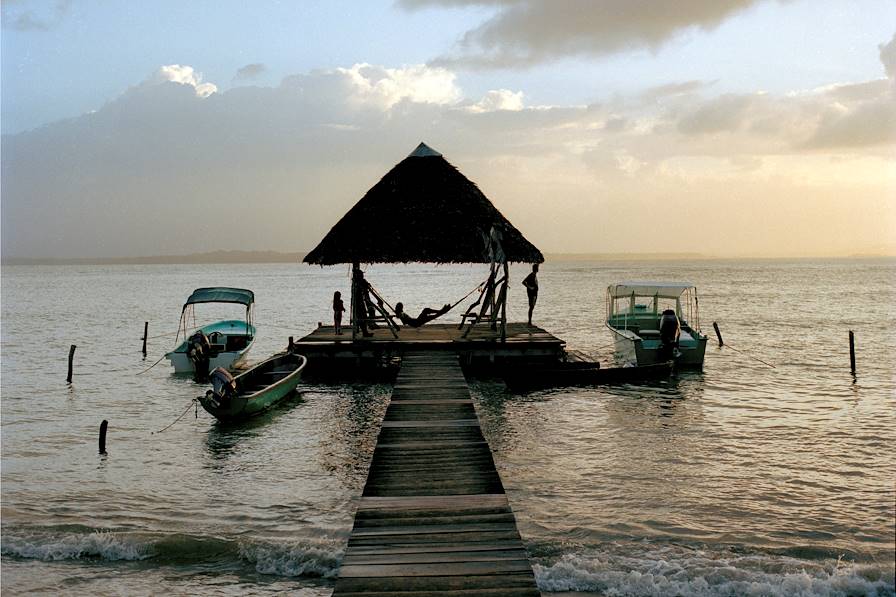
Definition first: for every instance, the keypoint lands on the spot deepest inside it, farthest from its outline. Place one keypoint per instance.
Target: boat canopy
(661, 289)
(221, 294)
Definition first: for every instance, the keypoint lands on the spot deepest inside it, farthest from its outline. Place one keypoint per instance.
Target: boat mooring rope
(151, 366)
(726, 345)
(605, 346)
(193, 402)
(166, 335)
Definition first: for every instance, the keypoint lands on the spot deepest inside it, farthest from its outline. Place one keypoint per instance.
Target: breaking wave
(103, 545)
(679, 571)
(319, 558)
(309, 557)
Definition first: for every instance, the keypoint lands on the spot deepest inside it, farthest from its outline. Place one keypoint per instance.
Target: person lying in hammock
(426, 315)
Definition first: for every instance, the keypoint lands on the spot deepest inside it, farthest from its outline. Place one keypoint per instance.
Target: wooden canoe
(575, 374)
(258, 388)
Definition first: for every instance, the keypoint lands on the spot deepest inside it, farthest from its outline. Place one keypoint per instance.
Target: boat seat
(236, 343)
(649, 333)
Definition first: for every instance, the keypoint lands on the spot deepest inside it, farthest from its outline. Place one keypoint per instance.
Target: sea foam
(310, 557)
(675, 572)
(103, 545)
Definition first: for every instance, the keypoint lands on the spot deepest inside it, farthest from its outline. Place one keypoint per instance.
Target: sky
(742, 128)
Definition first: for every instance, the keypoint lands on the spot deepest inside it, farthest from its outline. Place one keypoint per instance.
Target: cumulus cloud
(674, 89)
(888, 57)
(526, 32)
(250, 71)
(862, 114)
(388, 86)
(867, 124)
(838, 116)
(499, 99)
(728, 112)
(165, 151)
(19, 18)
(144, 171)
(184, 75)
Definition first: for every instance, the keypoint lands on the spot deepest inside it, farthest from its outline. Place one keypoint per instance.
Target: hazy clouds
(21, 17)
(526, 32)
(250, 71)
(175, 165)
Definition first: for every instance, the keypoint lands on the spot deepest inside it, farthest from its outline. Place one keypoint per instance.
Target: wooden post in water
(71, 357)
(145, 335)
(852, 352)
(718, 333)
(103, 426)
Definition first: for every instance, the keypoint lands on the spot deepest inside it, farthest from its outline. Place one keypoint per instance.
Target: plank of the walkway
(433, 518)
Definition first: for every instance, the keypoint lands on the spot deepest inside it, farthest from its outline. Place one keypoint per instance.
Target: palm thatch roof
(423, 210)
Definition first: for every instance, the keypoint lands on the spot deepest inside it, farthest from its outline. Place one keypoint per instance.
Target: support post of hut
(504, 303)
(356, 270)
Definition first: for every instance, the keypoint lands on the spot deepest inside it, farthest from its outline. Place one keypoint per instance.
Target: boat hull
(631, 348)
(528, 378)
(259, 388)
(228, 359)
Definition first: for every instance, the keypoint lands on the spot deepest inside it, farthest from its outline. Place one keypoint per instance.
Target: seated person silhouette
(426, 315)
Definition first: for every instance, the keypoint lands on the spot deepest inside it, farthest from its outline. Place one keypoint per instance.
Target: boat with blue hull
(655, 322)
(223, 343)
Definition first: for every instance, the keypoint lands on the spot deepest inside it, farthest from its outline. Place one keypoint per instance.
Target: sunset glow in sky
(724, 127)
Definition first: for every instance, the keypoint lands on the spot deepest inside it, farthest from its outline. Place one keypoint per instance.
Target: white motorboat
(220, 344)
(653, 322)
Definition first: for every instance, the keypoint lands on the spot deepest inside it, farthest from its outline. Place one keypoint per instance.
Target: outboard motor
(670, 331)
(223, 386)
(199, 351)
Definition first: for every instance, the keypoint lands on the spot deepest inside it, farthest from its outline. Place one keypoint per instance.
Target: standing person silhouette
(531, 284)
(360, 299)
(338, 310)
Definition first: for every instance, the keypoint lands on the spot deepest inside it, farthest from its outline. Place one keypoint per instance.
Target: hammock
(424, 317)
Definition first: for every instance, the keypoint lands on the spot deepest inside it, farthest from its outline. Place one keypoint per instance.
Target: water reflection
(668, 403)
(510, 422)
(349, 427)
(223, 437)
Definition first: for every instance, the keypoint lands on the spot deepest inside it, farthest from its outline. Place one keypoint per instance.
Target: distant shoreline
(238, 257)
(214, 257)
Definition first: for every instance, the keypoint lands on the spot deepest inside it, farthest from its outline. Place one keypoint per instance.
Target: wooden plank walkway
(433, 518)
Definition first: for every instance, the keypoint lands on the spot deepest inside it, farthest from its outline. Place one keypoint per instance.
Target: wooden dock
(433, 518)
(338, 356)
(434, 335)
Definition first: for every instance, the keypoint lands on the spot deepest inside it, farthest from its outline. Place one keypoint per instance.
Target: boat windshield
(649, 299)
(223, 299)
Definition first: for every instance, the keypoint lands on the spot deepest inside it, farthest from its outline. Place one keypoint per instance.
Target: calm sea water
(742, 479)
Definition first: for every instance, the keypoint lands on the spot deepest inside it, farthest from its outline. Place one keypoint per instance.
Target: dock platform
(328, 352)
(433, 518)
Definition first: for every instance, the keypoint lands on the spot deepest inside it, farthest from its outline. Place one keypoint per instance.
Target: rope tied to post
(193, 403)
(745, 353)
(151, 366)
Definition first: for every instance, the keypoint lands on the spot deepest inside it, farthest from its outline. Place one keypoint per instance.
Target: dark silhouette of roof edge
(424, 210)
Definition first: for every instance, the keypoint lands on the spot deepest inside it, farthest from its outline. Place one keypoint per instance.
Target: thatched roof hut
(423, 210)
